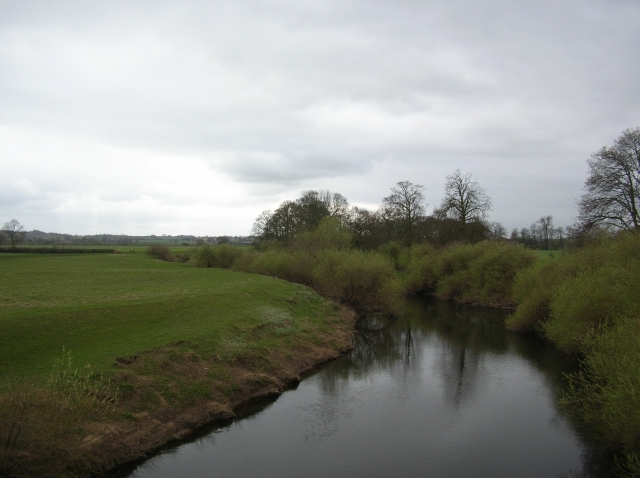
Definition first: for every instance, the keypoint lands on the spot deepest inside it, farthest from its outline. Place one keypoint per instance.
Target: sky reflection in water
(441, 391)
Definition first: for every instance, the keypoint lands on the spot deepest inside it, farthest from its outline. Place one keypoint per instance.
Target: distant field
(546, 254)
(103, 306)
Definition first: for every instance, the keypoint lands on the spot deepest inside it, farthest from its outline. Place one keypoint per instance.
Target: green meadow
(103, 306)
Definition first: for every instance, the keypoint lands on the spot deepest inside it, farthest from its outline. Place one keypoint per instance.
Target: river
(443, 391)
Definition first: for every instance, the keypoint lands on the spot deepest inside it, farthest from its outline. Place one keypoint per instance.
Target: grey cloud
(330, 92)
(261, 167)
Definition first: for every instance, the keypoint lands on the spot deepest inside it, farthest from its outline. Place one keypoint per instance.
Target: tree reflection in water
(442, 390)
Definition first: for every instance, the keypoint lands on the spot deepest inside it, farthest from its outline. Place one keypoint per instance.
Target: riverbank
(586, 302)
(232, 385)
(171, 348)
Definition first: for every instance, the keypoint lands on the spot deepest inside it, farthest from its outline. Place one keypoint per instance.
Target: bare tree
(464, 199)
(260, 226)
(405, 205)
(545, 231)
(14, 231)
(612, 190)
(497, 232)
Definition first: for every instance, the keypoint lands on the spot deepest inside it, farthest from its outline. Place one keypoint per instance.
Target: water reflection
(442, 391)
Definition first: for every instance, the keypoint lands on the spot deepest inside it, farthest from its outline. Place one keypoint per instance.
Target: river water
(443, 391)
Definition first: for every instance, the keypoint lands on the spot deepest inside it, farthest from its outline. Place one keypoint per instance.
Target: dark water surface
(442, 391)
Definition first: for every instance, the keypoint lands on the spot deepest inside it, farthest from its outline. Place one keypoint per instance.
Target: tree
(497, 232)
(405, 205)
(464, 199)
(14, 231)
(304, 214)
(612, 189)
(545, 231)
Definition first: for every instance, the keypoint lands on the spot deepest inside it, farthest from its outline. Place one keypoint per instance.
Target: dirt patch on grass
(158, 396)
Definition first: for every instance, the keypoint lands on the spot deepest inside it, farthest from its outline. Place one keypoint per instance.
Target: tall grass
(51, 418)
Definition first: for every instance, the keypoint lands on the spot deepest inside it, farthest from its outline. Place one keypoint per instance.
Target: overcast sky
(191, 117)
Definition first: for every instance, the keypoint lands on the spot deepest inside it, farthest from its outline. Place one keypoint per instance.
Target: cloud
(137, 109)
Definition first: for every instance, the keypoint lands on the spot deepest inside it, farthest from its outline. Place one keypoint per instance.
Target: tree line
(610, 203)
(402, 218)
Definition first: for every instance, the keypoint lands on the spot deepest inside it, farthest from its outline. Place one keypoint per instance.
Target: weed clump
(51, 419)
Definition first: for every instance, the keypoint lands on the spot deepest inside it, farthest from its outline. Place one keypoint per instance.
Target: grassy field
(170, 347)
(546, 254)
(101, 307)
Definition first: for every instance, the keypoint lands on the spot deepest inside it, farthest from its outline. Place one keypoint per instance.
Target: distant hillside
(49, 238)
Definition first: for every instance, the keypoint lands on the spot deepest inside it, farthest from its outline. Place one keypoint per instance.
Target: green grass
(547, 254)
(105, 306)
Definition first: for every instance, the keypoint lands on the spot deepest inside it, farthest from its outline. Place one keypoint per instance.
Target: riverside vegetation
(219, 335)
(585, 301)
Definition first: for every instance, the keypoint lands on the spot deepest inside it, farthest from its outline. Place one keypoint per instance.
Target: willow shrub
(419, 276)
(555, 293)
(533, 292)
(580, 305)
(160, 251)
(482, 272)
(289, 266)
(365, 281)
(605, 393)
(322, 259)
(222, 256)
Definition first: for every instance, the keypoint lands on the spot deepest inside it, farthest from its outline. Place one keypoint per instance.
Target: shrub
(330, 235)
(534, 288)
(283, 265)
(604, 393)
(532, 291)
(419, 275)
(222, 256)
(365, 281)
(394, 252)
(160, 251)
(493, 272)
(205, 257)
(185, 256)
(483, 272)
(582, 304)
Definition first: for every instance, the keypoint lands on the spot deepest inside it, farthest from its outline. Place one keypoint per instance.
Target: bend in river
(442, 391)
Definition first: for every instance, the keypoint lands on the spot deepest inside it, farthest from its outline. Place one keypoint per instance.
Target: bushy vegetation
(161, 251)
(587, 303)
(482, 272)
(567, 297)
(363, 280)
(222, 256)
(604, 394)
(321, 259)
